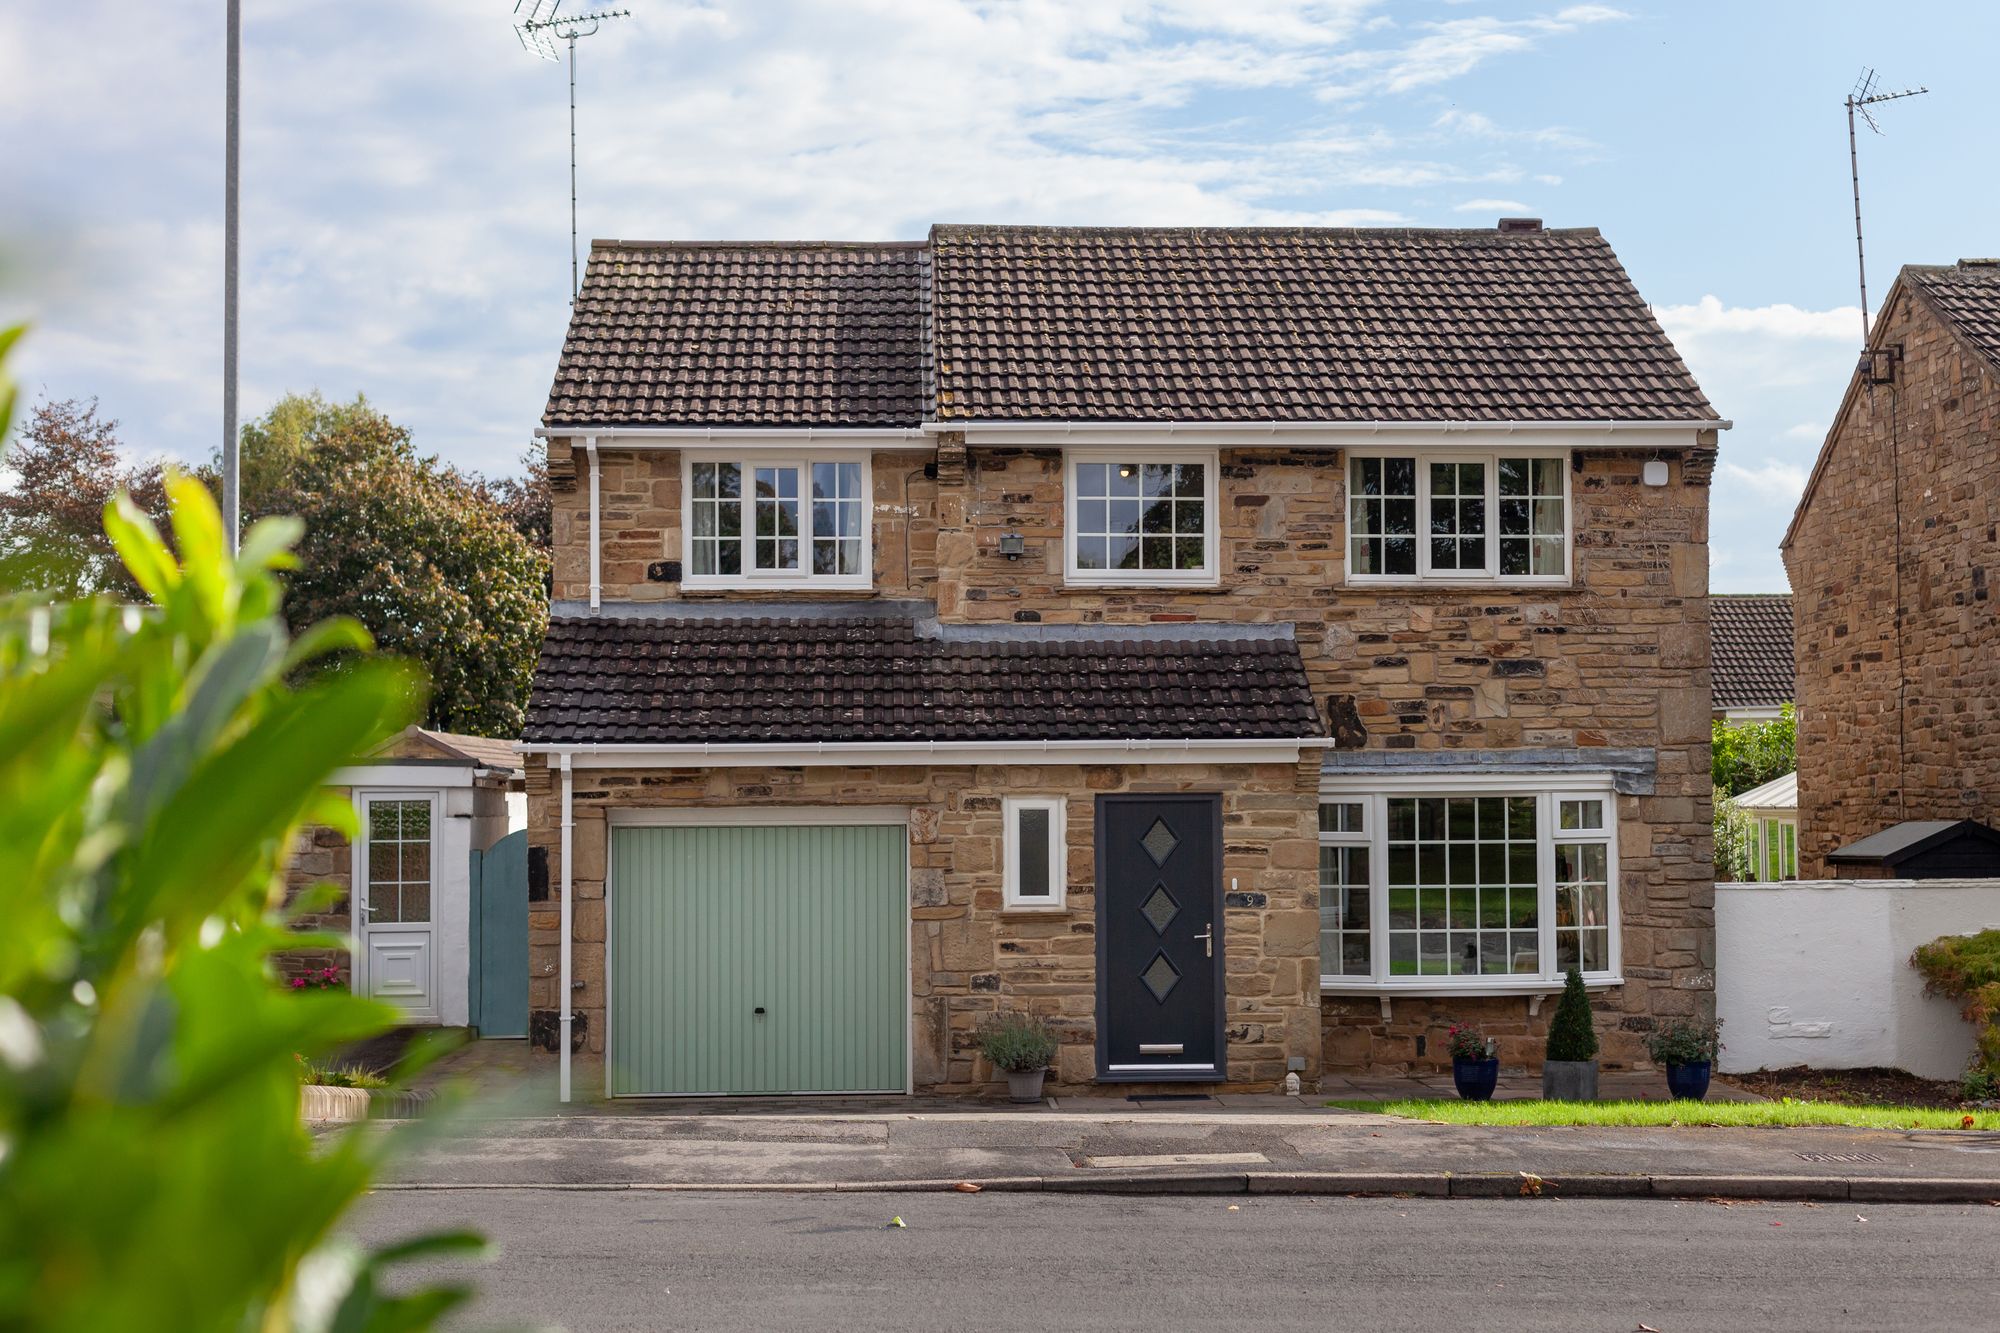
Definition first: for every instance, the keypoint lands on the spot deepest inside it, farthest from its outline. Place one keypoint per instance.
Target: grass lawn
(1452, 1111)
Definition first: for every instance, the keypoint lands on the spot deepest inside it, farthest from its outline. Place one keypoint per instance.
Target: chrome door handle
(1207, 938)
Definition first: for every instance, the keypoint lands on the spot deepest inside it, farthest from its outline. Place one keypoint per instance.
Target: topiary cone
(1571, 1035)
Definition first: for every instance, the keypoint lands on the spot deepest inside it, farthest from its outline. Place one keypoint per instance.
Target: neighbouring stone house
(423, 802)
(1246, 649)
(1751, 640)
(1893, 554)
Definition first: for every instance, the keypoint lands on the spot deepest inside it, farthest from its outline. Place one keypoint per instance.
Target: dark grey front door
(1159, 938)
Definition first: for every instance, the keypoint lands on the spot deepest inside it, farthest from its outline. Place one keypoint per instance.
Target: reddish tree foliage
(65, 466)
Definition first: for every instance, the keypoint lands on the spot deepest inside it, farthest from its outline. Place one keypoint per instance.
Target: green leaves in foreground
(156, 765)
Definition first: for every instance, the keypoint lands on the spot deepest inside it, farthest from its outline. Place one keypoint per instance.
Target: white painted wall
(1817, 972)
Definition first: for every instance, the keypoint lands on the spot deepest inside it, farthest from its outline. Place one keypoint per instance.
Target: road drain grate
(1839, 1157)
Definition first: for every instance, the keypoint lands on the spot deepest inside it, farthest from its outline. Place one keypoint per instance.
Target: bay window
(1140, 517)
(776, 523)
(1496, 887)
(1458, 515)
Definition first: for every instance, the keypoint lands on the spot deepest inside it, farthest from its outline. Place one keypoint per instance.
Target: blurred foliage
(1750, 754)
(156, 765)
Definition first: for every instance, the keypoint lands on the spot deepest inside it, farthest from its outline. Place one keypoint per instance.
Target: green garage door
(758, 959)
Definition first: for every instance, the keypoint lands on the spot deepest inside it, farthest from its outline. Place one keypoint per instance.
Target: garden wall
(1817, 972)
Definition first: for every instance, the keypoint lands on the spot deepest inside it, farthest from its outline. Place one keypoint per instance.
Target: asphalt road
(641, 1260)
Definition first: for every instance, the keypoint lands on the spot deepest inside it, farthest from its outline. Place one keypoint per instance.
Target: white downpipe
(596, 584)
(562, 1081)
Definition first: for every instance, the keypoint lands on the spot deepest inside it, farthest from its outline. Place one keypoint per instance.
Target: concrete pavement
(1295, 1147)
(640, 1260)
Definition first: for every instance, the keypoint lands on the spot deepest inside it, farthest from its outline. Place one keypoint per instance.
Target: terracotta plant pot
(1025, 1085)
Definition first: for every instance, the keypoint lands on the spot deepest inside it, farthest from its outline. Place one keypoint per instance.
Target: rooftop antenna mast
(539, 27)
(1863, 97)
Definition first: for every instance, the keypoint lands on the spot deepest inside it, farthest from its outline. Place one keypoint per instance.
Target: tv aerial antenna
(540, 27)
(1861, 99)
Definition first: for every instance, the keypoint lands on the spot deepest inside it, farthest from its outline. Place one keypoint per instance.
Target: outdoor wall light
(1012, 546)
(1656, 472)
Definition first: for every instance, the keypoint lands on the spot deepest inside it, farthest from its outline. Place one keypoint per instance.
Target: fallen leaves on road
(967, 1187)
(896, 1224)
(1531, 1185)
(1859, 1218)
(1645, 1328)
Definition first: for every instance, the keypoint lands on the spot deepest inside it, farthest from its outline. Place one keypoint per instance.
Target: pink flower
(298, 983)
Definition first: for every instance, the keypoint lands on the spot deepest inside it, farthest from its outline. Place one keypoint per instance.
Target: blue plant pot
(1689, 1083)
(1476, 1079)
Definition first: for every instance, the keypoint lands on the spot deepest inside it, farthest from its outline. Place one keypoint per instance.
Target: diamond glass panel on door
(1159, 842)
(1160, 977)
(1160, 909)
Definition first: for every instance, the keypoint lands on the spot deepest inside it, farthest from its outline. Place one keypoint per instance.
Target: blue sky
(405, 196)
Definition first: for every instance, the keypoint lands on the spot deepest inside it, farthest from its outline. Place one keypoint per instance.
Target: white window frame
(1010, 882)
(802, 578)
(1375, 791)
(1490, 457)
(1208, 576)
(1767, 825)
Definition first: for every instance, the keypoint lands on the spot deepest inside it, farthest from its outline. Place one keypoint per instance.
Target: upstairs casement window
(1458, 516)
(1436, 889)
(1138, 517)
(796, 523)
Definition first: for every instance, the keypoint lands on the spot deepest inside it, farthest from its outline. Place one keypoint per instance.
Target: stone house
(1245, 649)
(1892, 556)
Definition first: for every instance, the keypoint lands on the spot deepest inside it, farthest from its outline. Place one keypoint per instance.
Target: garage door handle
(759, 1010)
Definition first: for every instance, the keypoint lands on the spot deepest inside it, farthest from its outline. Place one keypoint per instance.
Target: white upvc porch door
(395, 882)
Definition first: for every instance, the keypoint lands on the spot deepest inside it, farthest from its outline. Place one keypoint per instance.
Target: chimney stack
(1520, 224)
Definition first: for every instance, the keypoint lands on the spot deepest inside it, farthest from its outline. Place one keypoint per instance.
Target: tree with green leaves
(1750, 754)
(426, 557)
(65, 468)
(156, 766)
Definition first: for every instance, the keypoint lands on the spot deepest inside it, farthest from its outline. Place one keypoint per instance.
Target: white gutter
(1323, 427)
(596, 584)
(568, 916)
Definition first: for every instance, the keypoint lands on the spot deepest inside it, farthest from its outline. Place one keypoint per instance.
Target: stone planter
(1689, 1082)
(1025, 1085)
(323, 1105)
(1476, 1079)
(319, 1104)
(1569, 1080)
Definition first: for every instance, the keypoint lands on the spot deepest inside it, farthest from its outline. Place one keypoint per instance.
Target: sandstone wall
(1901, 722)
(970, 957)
(321, 855)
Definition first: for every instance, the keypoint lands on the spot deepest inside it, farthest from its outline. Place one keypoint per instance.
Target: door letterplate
(1159, 1048)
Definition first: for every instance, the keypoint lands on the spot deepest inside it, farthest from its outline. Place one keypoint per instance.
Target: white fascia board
(896, 438)
(824, 754)
(404, 775)
(1335, 434)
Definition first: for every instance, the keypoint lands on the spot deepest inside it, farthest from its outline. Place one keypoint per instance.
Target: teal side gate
(499, 973)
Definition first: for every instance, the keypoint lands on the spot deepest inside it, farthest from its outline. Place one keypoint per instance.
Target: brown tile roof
(1967, 294)
(753, 334)
(487, 750)
(760, 679)
(1104, 323)
(1751, 638)
(1298, 324)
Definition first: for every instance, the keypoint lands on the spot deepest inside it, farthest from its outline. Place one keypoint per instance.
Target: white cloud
(1772, 479)
(1709, 317)
(405, 233)
(1490, 206)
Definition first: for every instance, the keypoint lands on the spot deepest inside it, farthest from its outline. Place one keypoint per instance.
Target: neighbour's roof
(751, 334)
(752, 678)
(1967, 295)
(488, 751)
(1183, 324)
(1780, 793)
(1751, 638)
(1900, 842)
